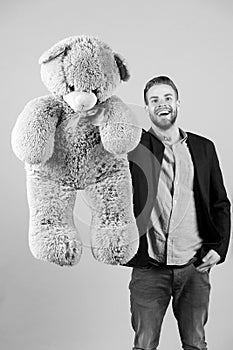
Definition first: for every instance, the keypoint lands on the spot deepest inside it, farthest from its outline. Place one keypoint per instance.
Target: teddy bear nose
(80, 100)
(85, 101)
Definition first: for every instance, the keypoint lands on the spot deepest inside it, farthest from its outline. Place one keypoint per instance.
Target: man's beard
(171, 119)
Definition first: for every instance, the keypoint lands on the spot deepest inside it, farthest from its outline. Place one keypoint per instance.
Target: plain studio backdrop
(44, 306)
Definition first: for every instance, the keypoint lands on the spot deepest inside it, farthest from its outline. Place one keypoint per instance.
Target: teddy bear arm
(120, 134)
(33, 134)
(114, 233)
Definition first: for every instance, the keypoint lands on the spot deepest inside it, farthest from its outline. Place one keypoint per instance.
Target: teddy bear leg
(52, 234)
(114, 233)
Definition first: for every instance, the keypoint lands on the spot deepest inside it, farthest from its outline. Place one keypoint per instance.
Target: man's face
(162, 105)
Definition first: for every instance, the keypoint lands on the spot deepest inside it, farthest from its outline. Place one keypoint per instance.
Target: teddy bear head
(82, 64)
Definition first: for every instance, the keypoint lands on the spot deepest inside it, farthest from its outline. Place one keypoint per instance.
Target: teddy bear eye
(65, 53)
(96, 93)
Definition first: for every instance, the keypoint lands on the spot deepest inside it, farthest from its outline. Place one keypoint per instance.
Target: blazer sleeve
(219, 206)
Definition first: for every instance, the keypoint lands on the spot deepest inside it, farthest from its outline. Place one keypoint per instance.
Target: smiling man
(183, 216)
(162, 103)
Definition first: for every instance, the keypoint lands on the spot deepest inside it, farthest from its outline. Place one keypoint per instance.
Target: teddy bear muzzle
(80, 100)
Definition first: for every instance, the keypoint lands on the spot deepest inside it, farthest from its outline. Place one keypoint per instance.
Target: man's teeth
(163, 112)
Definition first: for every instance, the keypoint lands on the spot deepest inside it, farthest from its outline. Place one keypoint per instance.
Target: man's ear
(178, 103)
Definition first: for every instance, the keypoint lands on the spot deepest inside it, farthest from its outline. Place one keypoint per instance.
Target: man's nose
(162, 103)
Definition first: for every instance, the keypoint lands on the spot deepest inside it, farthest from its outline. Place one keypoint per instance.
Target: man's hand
(211, 259)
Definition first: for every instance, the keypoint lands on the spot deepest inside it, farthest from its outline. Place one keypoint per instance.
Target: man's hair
(157, 81)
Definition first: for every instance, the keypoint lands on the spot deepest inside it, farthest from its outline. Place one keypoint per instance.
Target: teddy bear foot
(114, 255)
(59, 249)
(115, 246)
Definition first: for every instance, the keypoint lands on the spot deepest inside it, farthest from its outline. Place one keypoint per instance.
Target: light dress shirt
(172, 234)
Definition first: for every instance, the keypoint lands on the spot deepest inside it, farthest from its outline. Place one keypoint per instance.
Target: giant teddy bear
(77, 138)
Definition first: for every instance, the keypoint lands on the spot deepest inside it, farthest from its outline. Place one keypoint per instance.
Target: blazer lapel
(199, 162)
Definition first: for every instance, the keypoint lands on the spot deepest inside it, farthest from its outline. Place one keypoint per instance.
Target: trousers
(151, 290)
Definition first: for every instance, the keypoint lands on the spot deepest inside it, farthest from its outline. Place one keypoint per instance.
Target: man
(183, 217)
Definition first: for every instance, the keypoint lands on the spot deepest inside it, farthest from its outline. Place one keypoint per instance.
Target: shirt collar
(183, 136)
(162, 138)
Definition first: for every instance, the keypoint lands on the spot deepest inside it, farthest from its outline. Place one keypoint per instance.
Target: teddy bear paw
(59, 249)
(115, 246)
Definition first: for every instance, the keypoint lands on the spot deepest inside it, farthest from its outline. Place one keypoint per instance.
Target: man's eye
(154, 101)
(169, 98)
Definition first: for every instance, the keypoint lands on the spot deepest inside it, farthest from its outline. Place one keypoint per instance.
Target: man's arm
(220, 214)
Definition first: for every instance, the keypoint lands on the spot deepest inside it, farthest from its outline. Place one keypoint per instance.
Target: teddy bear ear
(55, 51)
(122, 66)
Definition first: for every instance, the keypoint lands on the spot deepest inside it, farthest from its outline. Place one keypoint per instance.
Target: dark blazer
(212, 204)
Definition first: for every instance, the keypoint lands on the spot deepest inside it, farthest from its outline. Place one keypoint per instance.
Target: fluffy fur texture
(64, 152)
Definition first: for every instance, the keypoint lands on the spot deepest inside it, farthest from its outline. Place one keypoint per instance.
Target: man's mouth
(163, 112)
